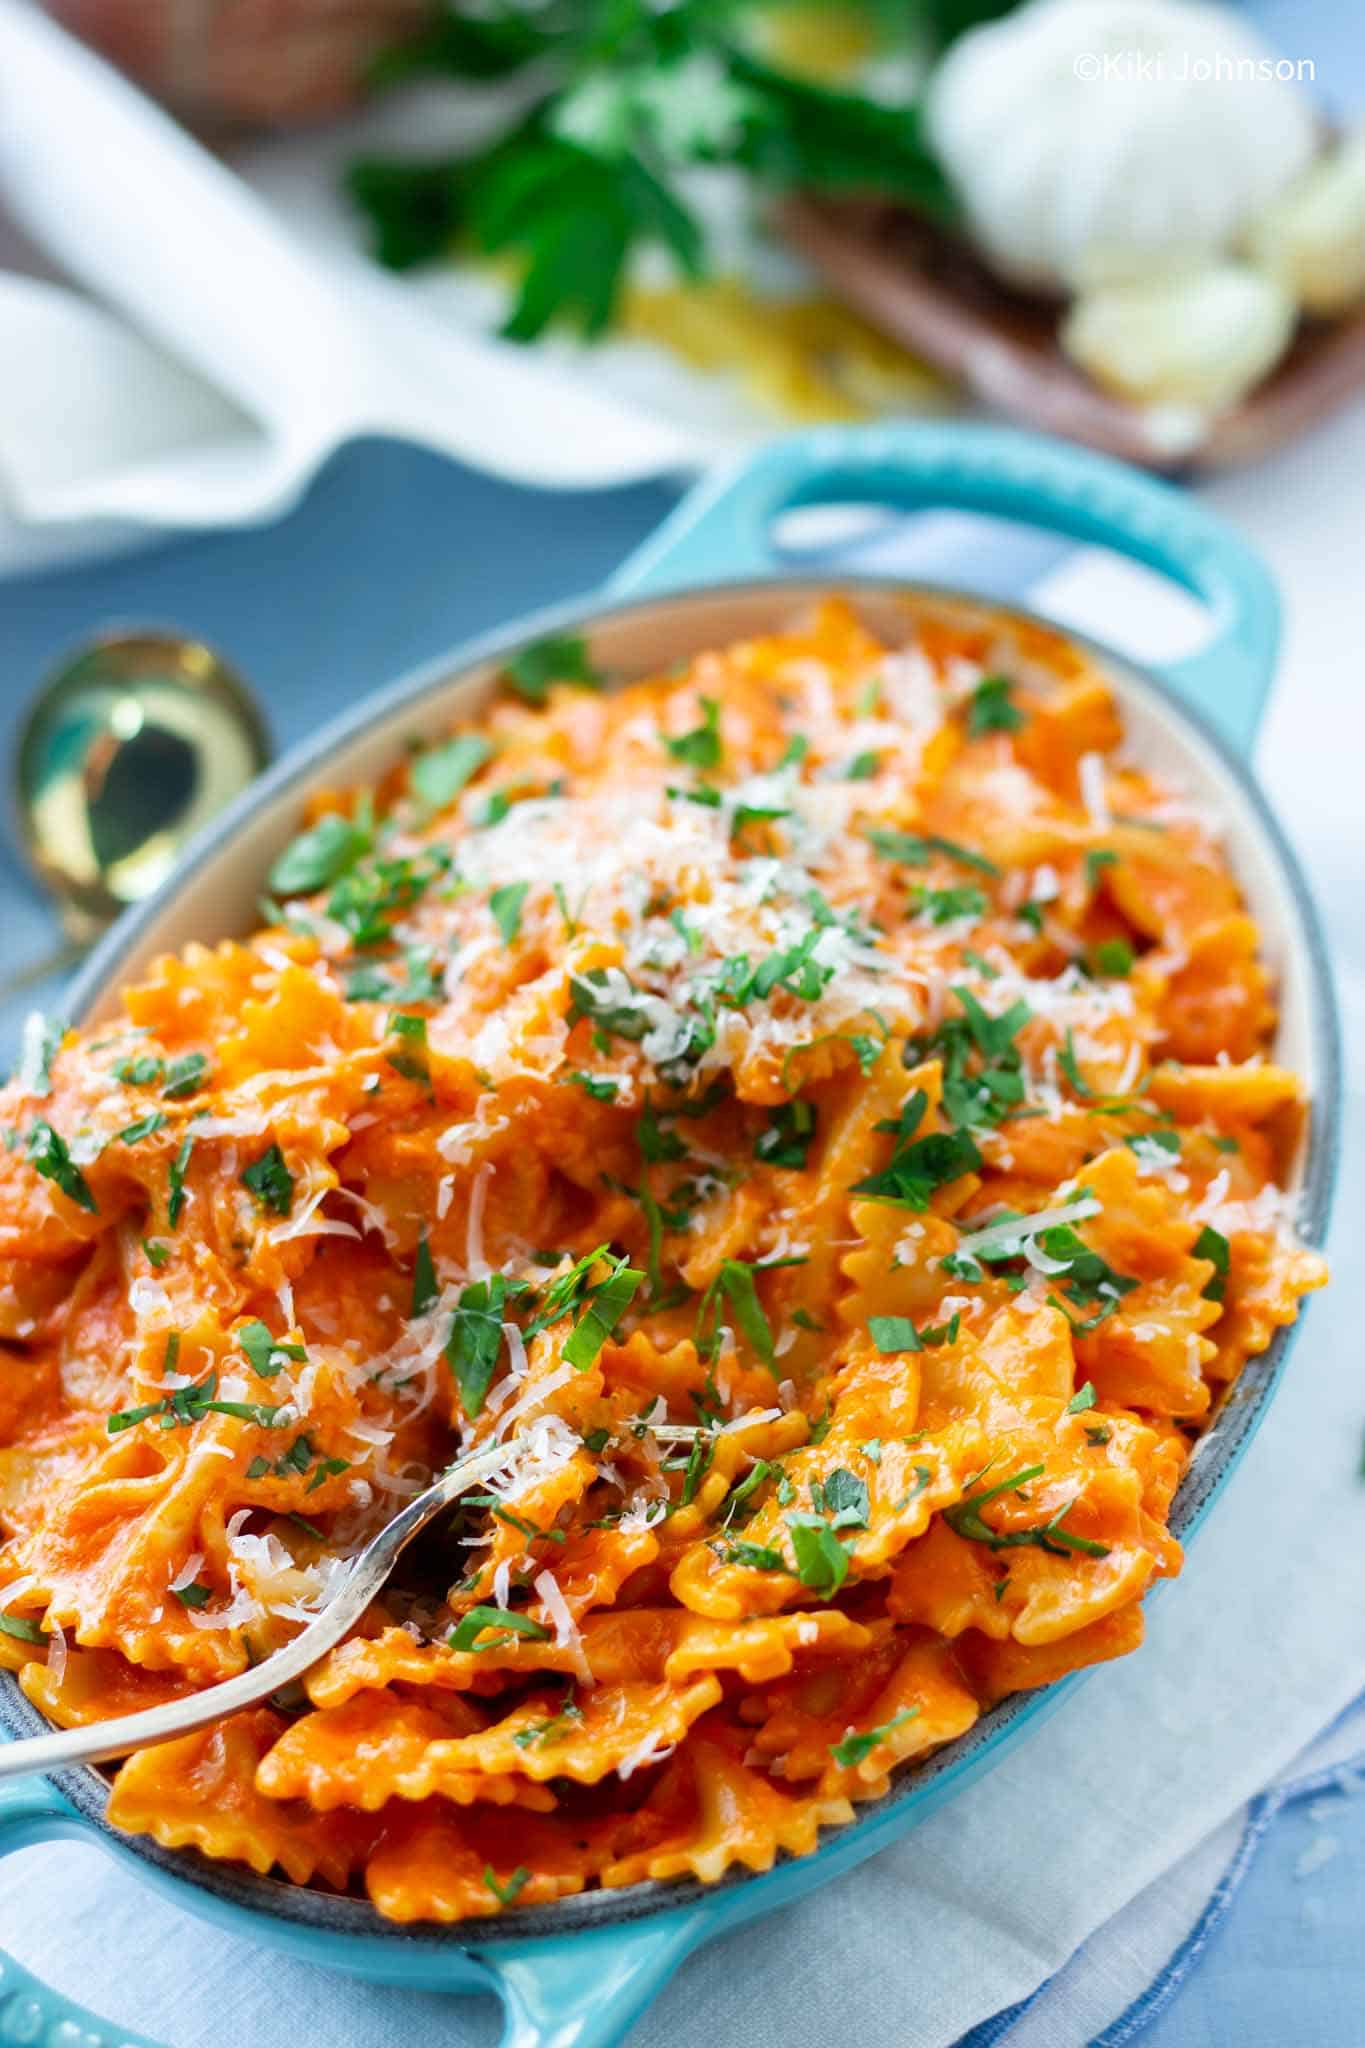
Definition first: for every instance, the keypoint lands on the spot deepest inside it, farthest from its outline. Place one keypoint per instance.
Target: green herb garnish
(48, 1153)
(560, 658)
(992, 709)
(500, 1619)
(271, 1182)
(854, 1749)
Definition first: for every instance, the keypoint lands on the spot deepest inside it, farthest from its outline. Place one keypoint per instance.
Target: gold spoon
(131, 745)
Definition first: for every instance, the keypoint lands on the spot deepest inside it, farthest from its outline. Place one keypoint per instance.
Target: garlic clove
(1090, 140)
(1197, 338)
(1313, 236)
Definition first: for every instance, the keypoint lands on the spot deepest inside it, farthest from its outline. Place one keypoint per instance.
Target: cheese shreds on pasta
(815, 1109)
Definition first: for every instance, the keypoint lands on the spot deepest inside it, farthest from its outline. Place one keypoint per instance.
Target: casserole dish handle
(583, 1990)
(30, 2013)
(587, 1989)
(723, 531)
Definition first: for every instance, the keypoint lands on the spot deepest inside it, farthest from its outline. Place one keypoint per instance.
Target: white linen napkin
(1257, 1646)
(247, 357)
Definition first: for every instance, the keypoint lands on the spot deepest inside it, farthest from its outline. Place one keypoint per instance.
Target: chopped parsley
(322, 854)
(787, 1140)
(755, 1557)
(21, 1628)
(1096, 861)
(914, 849)
(271, 1182)
(506, 1892)
(157, 1253)
(175, 1180)
(188, 1404)
(559, 658)
(992, 709)
(821, 1559)
(266, 1354)
(918, 1165)
(1083, 1398)
(538, 1734)
(599, 1090)
(945, 906)
(408, 1056)
(623, 1016)
(843, 1496)
(424, 1285)
(862, 767)
(48, 1153)
(505, 905)
(1212, 1245)
(139, 1070)
(734, 1283)
(899, 1333)
(185, 1076)
(195, 1594)
(439, 773)
(143, 1128)
(1114, 956)
(505, 1623)
(855, 1748)
(475, 1339)
(655, 1143)
(700, 748)
(964, 1518)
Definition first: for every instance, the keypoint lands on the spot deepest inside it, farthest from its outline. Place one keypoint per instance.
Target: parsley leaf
(439, 773)
(185, 1076)
(913, 850)
(735, 1283)
(143, 1128)
(22, 1628)
(964, 1518)
(466, 1635)
(856, 1747)
(1211, 1244)
(991, 708)
(821, 1559)
(560, 658)
(475, 1339)
(505, 905)
(700, 748)
(271, 1182)
(175, 1180)
(49, 1155)
(425, 1290)
(787, 1140)
(322, 854)
(899, 1333)
(918, 1165)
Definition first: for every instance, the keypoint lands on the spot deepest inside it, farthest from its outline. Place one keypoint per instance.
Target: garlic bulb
(1196, 341)
(1313, 236)
(1096, 140)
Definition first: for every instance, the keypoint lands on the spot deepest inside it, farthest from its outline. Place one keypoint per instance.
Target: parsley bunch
(621, 98)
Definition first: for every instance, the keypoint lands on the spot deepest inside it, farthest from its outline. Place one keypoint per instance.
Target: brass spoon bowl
(131, 745)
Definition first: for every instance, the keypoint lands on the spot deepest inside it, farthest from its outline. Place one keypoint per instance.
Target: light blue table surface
(393, 557)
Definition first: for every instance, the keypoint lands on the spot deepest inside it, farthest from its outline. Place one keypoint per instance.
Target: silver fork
(367, 1574)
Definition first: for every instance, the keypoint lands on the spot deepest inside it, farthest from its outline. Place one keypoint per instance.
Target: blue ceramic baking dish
(576, 1974)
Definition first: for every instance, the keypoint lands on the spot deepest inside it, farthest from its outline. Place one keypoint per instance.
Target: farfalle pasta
(812, 1109)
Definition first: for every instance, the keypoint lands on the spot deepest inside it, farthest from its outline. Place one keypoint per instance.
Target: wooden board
(928, 290)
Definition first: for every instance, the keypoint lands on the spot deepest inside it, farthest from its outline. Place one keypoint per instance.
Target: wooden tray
(926, 289)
